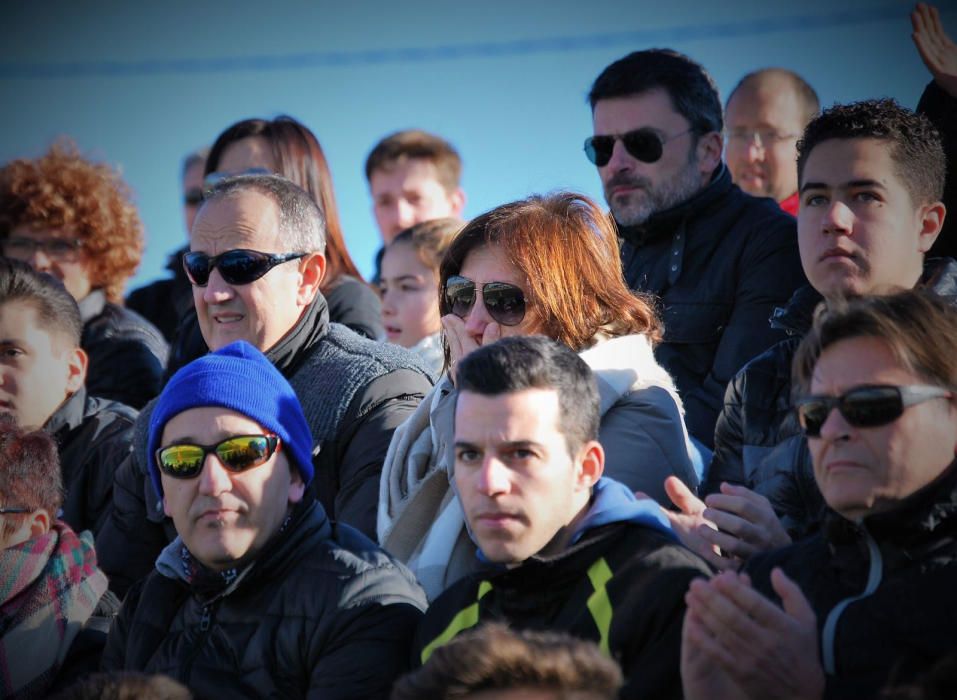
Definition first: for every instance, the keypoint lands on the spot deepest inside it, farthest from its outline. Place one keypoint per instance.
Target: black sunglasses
(864, 406)
(193, 197)
(504, 302)
(644, 144)
(12, 511)
(238, 266)
(237, 454)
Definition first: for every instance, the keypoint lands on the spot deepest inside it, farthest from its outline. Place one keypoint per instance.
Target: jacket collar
(290, 351)
(68, 416)
(665, 223)
(92, 305)
(923, 512)
(939, 276)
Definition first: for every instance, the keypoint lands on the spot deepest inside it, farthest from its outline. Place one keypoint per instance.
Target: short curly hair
(915, 145)
(62, 190)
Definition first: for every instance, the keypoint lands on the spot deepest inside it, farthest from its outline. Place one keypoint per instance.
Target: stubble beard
(635, 208)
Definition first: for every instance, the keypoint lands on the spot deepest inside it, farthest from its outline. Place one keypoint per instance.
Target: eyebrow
(852, 184)
(401, 278)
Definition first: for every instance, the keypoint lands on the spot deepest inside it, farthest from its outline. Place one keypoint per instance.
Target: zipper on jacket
(829, 632)
(205, 619)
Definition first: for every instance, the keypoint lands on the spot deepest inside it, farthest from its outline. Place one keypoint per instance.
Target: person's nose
(405, 214)
(755, 149)
(214, 479)
(620, 159)
(838, 219)
(217, 290)
(39, 260)
(493, 478)
(835, 426)
(388, 303)
(478, 317)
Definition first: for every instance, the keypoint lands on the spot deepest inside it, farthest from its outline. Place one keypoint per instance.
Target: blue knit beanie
(238, 377)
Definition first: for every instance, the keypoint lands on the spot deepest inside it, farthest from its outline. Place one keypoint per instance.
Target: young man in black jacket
(563, 548)
(43, 369)
(260, 593)
(256, 262)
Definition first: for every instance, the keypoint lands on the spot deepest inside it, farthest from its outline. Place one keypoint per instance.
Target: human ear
(457, 202)
(931, 222)
(296, 486)
(77, 362)
(40, 522)
(312, 269)
(709, 153)
(591, 464)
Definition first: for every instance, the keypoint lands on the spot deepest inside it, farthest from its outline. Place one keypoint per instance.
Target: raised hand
(936, 49)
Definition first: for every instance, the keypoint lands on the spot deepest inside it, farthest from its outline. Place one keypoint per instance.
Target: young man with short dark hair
(563, 547)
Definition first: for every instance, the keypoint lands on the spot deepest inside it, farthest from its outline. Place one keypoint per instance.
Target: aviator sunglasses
(237, 454)
(239, 266)
(643, 144)
(864, 406)
(504, 302)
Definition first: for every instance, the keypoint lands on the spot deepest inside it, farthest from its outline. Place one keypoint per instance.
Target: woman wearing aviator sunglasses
(545, 265)
(877, 399)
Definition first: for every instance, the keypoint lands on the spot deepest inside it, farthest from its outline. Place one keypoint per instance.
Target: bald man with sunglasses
(256, 261)
(718, 259)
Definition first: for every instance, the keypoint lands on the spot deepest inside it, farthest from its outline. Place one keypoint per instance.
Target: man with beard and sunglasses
(256, 262)
(719, 260)
(261, 593)
(869, 599)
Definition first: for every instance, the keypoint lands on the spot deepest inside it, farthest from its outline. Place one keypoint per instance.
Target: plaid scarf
(49, 586)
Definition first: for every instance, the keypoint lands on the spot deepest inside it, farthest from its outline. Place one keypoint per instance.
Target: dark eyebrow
(853, 184)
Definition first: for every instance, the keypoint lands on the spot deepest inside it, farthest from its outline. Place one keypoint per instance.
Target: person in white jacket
(545, 265)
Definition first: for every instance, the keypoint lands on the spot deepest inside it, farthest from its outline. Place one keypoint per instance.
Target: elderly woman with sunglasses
(545, 265)
(870, 597)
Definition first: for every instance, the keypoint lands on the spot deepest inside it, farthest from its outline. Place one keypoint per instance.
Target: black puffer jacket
(93, 436)
(127, 353)
(882, 589)
(354, 393)
(322, 613)
(758, 442)
(719, 263)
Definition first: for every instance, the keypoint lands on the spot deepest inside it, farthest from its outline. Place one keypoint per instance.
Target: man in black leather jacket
(719, 260)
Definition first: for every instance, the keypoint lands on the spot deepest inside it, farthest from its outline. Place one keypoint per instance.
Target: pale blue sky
(139, 86)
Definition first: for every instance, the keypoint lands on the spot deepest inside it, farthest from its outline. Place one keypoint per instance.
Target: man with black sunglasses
(869, 597)
(719, 259)
(261, 593)
(256, 262)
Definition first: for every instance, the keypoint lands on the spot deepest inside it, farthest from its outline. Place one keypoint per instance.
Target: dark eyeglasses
(644, 144)
(504, 302)
(62, 249)
(193, 197)
(864, 406)
(237, 454)
(4, 511)
(238, 266)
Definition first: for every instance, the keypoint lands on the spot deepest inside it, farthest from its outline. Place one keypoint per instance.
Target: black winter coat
(348, 464)
(882, 589)
(323, 612)
(719, 263)
(93, 436)
(635, 574)
(758, 442)
(127, 353)
(164, 302)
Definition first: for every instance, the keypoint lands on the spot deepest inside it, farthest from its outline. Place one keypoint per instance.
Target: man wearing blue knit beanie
(260, 592)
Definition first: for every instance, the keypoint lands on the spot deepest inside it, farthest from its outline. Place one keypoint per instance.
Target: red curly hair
(63, 191)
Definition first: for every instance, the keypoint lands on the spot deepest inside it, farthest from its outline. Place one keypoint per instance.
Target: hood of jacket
(613, 502)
